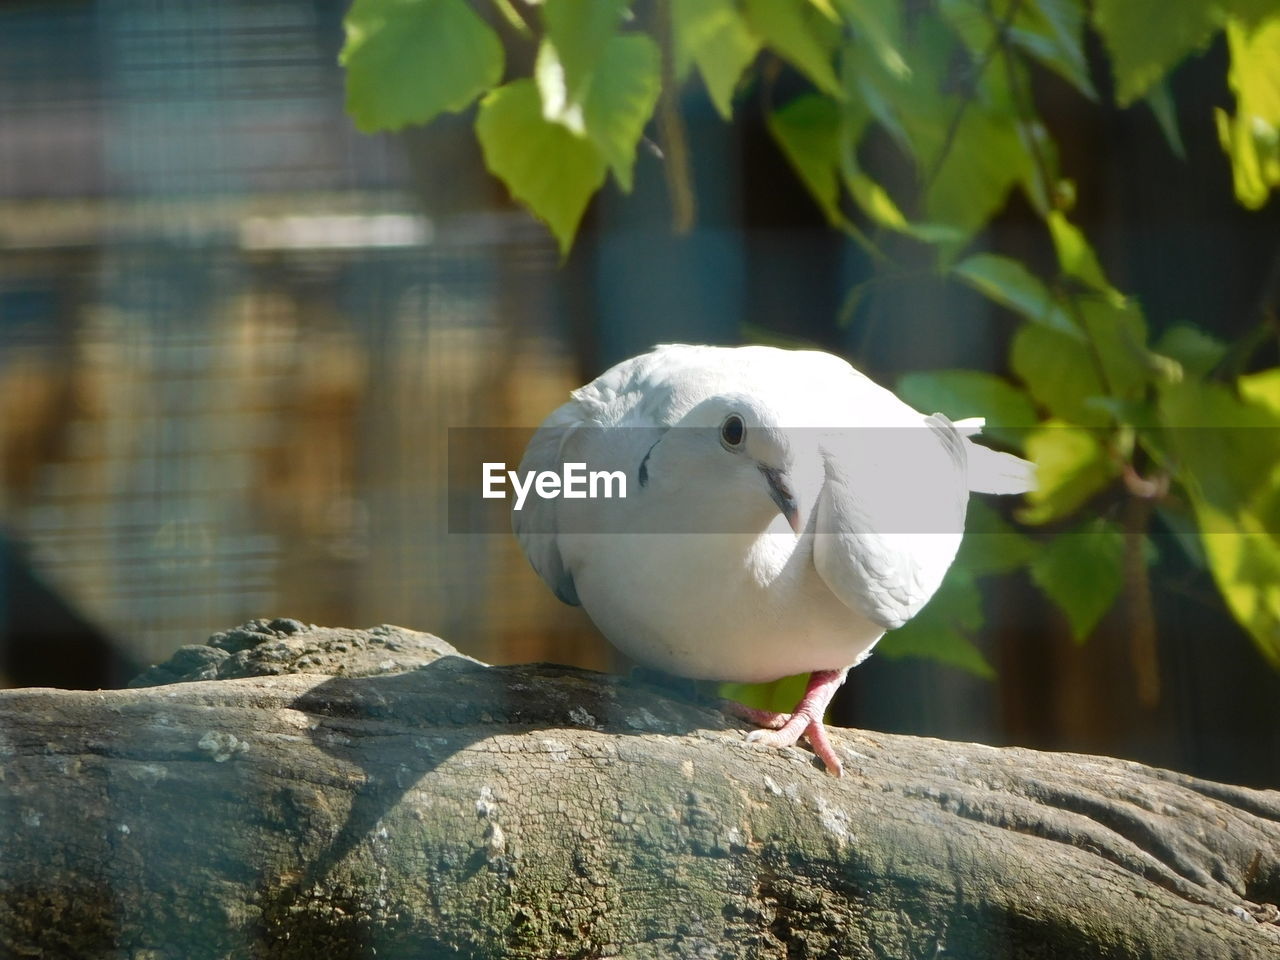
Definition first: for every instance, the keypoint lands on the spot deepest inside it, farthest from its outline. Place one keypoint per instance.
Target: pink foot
(754, 715)
(783, 730)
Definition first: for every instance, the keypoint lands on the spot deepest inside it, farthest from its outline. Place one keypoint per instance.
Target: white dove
(782, 511)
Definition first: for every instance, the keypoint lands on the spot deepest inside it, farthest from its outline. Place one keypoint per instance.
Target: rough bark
(336, 793)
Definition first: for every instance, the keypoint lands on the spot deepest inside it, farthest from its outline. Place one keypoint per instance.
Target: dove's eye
(732, 431)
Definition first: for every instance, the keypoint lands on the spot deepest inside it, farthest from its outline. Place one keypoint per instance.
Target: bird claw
(784, 729)
(814, 732)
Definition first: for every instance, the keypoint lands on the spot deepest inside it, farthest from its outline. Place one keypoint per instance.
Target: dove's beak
(782, 494)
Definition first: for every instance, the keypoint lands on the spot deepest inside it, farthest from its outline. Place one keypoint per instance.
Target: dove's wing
(606, 424)
(890, 514)
(536, 524)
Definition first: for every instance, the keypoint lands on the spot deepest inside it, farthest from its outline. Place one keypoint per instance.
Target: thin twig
(675, 146)
(1141, 613)
(512, 16)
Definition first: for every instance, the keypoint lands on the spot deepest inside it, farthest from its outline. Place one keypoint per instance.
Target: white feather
(696, 572)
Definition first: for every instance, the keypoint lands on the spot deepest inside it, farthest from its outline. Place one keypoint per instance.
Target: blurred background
(234, 333)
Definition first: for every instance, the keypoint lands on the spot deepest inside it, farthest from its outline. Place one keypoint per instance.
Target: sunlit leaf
(940, 631)
(808, 131)
(1252, 137)
(595, 82)
(960, 394)
(1147, 37)
(409, 60)
(1076, 256)
(1082, 571)
(825, 8)
(1071, 466)
(1229, 453)
(1262, 389)
(1060, 372)
(547, 168)
(1010, 284)
(623, 93)
(573, 46)
(795, 31)
(714, 35)
(876, 203)
(1245, 564)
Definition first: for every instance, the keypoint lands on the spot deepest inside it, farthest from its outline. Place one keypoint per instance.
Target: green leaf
(409, 60)
(908, 106)
(876, 203)
(1252, 137)
(960, 394)
(573, 46)
(1196, 351)
(1229, 453)
(808, 131)
(713, 34)
(1118, 335)
(1052, 31)
(623, 93)
(1249, 12)
(793, 29)
(990, 545)
(1147, 37)
(1262, 389)
(545, 167)
(1227, 447)
(1010, 284)
(1160, 100)
(940, 630)
(986, 159)
(1060, 372)
(869, 195)
(878, 24)
(1076, 257)
(1245, 563)
(1082, 572)
(1071, 466)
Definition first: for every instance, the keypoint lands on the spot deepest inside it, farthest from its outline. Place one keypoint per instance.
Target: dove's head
(731, 454)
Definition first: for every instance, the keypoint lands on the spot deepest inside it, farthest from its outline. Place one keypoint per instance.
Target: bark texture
(340, 793)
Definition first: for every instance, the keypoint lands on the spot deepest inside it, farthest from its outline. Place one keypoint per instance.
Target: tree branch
(423, 804)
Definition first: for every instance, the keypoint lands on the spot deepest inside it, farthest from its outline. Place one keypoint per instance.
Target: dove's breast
(737, 607)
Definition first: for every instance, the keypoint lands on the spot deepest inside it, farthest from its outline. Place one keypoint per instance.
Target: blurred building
(233, 337)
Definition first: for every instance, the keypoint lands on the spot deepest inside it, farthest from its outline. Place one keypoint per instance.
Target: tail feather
(991, 471)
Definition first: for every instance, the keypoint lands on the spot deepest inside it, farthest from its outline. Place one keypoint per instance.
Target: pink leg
(806, 720)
